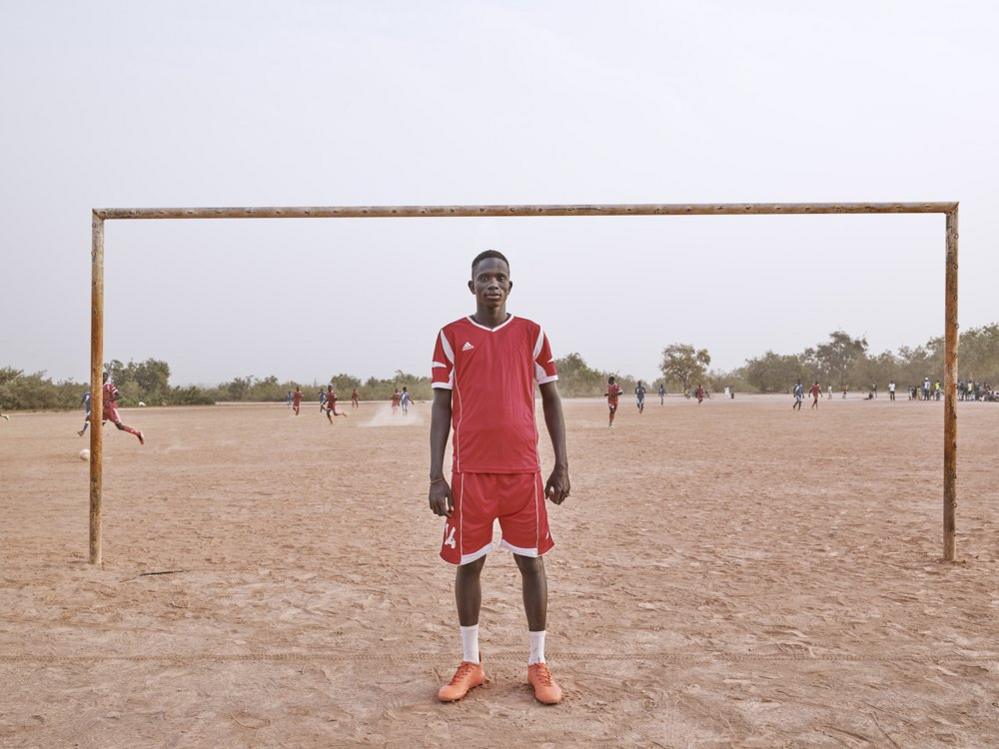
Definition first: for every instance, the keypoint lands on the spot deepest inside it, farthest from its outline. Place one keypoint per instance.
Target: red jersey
(395, 398)
(815, 391)
(330, 398)
(296, 398)
(613, 391)
(492, 372)
(110, 394)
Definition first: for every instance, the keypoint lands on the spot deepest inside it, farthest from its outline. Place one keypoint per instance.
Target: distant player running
(799, 396)
(331, 404)
(396, 400)
(699, 394)
(405, 400)
(355, 401)
(322, 400)
(613, 393)
(486, 369)
(640, 397)
(296, 400)
(85, 401)
(4, 416)
(662, 394)
(110, 409)
(816, 391)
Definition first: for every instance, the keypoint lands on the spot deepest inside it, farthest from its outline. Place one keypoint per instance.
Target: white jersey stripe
(446, 345)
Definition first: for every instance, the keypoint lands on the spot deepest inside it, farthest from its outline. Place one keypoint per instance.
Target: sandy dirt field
(733, 574)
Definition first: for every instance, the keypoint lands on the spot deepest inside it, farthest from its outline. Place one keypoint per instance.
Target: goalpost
(100, 215)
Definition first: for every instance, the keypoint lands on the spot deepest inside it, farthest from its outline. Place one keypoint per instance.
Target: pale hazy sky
(310, 103)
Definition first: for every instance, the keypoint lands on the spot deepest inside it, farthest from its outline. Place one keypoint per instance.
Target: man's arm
(440, 427)
(557, 487)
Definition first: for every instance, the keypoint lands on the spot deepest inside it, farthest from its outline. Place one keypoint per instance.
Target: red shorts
(111, 414)
(517, 500)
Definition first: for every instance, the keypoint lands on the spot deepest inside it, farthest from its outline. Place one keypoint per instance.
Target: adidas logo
(467, 346)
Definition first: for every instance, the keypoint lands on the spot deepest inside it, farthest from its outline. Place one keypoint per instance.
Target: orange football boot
(546, 689)
(468, 676)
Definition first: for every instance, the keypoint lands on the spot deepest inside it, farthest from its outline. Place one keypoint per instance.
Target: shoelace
(462, 672)
(543, 674)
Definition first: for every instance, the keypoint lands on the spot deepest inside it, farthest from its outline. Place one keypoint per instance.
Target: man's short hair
(485, 255)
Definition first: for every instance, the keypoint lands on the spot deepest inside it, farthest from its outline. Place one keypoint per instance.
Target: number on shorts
(449, 541)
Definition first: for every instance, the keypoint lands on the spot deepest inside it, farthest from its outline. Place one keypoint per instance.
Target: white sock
(470, 643)
(537, 647)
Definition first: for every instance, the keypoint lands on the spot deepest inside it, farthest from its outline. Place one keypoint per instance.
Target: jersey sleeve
(442, 368)
(544, 361)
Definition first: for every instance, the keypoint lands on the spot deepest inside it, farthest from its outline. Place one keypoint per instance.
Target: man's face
(491, 282)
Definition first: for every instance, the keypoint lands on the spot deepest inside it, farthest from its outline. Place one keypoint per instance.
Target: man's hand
(440, 498)
(557, 487)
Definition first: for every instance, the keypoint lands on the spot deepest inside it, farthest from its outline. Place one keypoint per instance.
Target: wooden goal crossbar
(949, 209)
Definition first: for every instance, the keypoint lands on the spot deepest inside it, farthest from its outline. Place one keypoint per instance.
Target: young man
(891, 390)
(816, 391)
(640, 397)
(662, 394)
(699, 394)
(354, 400)
(612, 395)
(296, 400)
(396, 399)
(85, 401)
(799, 395)
(331, 404)
(322, 400)
(484, 371)
(405, 400)
(111, 410)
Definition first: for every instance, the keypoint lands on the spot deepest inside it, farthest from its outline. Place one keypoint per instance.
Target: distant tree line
(846, 362)
(840, 361)
(148, 382)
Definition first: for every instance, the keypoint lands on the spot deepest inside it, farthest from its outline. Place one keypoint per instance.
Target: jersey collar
(491, 330)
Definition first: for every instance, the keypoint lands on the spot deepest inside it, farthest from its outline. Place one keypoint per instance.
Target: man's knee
(530, 565)
(472, 568)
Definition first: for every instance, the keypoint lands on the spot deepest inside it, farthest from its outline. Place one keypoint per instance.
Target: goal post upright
(949, 209)
(950, 390)
(96, 383)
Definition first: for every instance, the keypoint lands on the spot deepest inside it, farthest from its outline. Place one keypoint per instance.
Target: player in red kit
(816, 391)
(484, 372)
(355, 401)
(396, 399)
(331, 404)
(296, 400)
(613, 393)
(111, 410)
